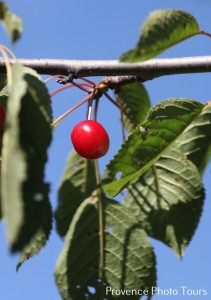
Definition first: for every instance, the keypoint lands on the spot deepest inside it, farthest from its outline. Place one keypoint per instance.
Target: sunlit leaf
(168, 198)
(77, 184)
(129, 259)
(195, 142)
(161, 30)
(134, 100)
(147, 143)
(3, 103)
(12, 23)
(25, 142)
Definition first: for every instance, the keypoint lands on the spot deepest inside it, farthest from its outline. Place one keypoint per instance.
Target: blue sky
(104, 30)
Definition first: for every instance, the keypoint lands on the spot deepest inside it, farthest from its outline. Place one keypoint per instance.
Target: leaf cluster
(158, 168)
(25, 141)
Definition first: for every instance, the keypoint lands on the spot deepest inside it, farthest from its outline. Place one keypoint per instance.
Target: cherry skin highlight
(90, 139)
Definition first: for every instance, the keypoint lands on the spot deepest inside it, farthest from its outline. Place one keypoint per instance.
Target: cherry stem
(9, 51)
(112, 100)
(118, 106)
(81, 86)
(89, 113)
(61, 89)
(58, 120)
(52, 77)
(119, 101)
(205, 33)
(89, 81)
(69, 86)
(96, 108)
(101, 221)
(123, 127)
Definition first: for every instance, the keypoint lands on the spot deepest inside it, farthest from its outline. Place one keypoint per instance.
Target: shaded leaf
(147, 143)
(3, 9)
(134, 100)
(3, 108)
(3, 103)
(25, 142)
(1, 214)
(3, 81)
(39, 239)
(3, 96)
(168, 198)
(81, 251)
(195, 142)
(11, 22)
(77, 184)
(161, 30)
(129, 259)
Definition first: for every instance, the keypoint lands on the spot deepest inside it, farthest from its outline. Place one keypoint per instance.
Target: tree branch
(146, 70)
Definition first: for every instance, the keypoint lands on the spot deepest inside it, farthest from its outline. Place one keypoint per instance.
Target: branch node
(116, 81)
(67, 79)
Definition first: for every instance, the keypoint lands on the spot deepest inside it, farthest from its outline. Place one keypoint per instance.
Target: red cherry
(90, 139)
(2, 118)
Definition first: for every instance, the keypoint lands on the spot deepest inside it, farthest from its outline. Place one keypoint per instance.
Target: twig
(58, 120)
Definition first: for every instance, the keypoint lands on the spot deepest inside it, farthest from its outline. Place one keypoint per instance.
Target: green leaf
(81, 249)
(134, 100)
(25, 142)
(3, 81)
(4, 96)
(161, 30)
(195, 142)
(39, 239)
(147, 143)
(12, 23)
(3, 9)
(129, 258)
(77, 184)
(1, 214)
(168, 198)
(33, 248)
(3, 102)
